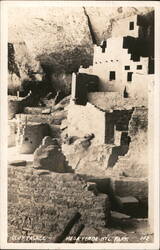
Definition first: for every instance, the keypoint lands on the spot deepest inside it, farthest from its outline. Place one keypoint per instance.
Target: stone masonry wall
(118, 61)
(140, 86)
(60, 37)
(41, 204)
(135, 162)
(12, 131)
(91, 161)
(14, 106)
(139, 121)
(114, 100)
(30, 135)
(84, 120)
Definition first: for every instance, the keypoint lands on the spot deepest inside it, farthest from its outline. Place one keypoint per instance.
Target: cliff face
(56, 40)
(103, 19)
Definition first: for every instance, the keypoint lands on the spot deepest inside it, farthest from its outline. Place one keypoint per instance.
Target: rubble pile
(50, 157)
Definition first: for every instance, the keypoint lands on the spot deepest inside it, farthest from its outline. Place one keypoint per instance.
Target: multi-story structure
(119, 79)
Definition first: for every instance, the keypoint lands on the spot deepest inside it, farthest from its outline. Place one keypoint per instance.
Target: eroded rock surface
(58, 40)
(49, 156)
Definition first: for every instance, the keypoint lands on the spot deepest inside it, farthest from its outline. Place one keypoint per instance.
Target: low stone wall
(30, 135)
(34, 110)
(12, 132)
(41, 204)
(114, 100)
(54, 119)
(14, 106)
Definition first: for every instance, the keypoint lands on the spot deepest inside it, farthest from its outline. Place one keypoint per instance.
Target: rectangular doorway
(112, 75)
(129, 76)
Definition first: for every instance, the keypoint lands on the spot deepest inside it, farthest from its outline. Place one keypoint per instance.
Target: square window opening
(127, 67)
(131, 25)
(112, 75)
(139, 66)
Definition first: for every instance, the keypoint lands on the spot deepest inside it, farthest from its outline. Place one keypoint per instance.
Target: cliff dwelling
(78, 126)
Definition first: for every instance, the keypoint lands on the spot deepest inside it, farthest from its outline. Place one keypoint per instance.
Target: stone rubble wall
(42, 204)
(30, 135)
(91, 161)
(14, 106)
(139, 121)
(49, 156)
(135, 162)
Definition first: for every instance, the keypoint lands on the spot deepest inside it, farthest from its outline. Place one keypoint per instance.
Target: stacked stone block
(42, 204)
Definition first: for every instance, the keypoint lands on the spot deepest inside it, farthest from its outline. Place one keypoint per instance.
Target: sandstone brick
(18, 163)
(118, 216)
(33, 110)
(46, 111)
(127, 200)
(42, 172)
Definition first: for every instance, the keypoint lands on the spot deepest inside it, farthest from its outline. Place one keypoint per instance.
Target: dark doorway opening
(119, 150)
(131, 25)
(129, 76)
(125, 93)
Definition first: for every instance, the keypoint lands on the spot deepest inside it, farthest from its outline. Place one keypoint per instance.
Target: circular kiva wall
(30, 136)
(14, 106)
